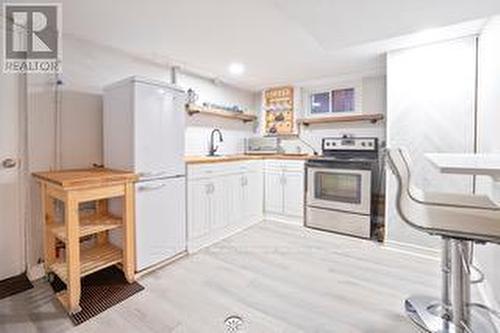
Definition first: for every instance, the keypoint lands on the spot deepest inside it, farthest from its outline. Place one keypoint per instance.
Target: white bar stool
(459, 220)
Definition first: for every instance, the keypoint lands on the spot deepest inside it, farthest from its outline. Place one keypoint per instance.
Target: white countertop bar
(467, 164)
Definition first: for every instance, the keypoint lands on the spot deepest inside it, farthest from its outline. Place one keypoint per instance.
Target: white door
(293, 194)
(11, 224)
(159, 131)
(274, 192)
(199, 192)
(160, 220)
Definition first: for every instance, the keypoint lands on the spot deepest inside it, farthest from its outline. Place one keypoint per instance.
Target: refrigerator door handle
(151, 187)
(151, 174)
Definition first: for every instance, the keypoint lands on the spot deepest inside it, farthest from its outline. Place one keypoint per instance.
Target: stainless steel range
(340, 185)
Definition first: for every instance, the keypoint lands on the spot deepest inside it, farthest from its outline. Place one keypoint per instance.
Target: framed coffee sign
(278, 106)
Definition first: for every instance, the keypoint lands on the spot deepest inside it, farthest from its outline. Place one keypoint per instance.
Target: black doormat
(14, 285)
(100, 291)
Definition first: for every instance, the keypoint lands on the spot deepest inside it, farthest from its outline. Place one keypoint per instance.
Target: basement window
(343, 100)
(320, 103)
(334, 101)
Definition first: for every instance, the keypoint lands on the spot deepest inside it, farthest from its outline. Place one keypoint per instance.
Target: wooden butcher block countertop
(85, 177)
(242, 157)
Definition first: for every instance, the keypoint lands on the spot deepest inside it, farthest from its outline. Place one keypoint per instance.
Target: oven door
(339, 189)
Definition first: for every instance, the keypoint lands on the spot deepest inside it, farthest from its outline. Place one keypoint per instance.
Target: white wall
(489, 136)
(87, 68)
(199, 126)
(430, 108)
(373, 100)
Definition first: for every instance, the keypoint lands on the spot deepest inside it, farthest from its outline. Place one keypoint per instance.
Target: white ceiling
(279, 41)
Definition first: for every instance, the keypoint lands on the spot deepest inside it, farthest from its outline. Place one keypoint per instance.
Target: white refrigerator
(143, 129)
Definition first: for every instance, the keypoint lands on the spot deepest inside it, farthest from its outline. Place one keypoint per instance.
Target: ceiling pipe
(174, 71)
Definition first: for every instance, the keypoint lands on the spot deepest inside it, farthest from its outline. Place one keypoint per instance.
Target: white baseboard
(159, 265)
(413, 249)
(297, 221)
(195, 245)
(36, 272)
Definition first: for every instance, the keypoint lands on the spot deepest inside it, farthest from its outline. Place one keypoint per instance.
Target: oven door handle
(365, 166)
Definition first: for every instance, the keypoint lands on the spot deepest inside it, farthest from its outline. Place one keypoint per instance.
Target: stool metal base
(425, 312)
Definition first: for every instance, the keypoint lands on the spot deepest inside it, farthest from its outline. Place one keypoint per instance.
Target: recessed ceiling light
(236, 68)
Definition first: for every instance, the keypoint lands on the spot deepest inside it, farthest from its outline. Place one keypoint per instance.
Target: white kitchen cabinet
(199, 197)
(236, 198)
(293, 193)
(274, 192)
(223, 198)
(253, 195)
(220, 199)
(284, 191)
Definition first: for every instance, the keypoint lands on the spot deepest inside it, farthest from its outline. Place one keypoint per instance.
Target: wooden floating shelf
(91, 261)
(192, 109)
(288, 135)
(371, 117)
(89, 226)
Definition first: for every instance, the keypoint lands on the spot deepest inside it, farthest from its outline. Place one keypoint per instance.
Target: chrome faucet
(214, 148)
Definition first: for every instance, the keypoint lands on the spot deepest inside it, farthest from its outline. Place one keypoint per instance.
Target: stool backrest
(414, 192)
(398, 161)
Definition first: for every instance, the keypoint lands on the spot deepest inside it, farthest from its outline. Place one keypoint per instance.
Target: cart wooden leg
(49, 240)
(73, 253)
(128, 233)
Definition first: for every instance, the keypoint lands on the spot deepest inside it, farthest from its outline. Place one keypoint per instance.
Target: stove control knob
(363, 144)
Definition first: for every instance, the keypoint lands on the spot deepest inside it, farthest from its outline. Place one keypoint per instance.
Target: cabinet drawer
(284, 165)
(273, 165)
(222, 169)
(253, 166)
(210, 170)
(203, 170)
(293, 166)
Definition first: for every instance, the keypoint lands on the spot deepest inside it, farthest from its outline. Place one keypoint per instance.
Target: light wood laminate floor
(277, 277)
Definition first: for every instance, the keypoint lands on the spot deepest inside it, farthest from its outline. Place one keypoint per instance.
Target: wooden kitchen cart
(73, 187)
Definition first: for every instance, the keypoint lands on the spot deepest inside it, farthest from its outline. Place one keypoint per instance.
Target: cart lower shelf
(91, 260)
(89, 226)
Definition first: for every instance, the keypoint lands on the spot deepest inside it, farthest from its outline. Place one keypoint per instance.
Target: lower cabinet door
(220, 199)
(237, 202)
(274, 192)
(253, 196)
(199, 211)
(293, 201)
